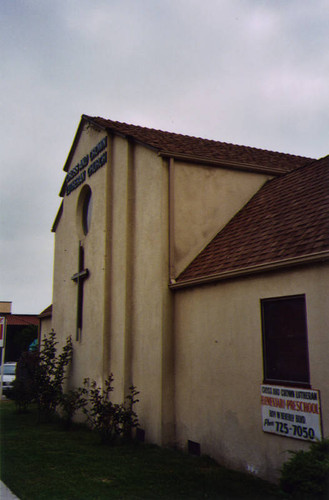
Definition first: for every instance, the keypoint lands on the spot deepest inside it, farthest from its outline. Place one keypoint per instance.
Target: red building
(22, 330)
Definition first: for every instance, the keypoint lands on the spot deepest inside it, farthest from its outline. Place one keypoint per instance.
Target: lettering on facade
(291, 412)
(88, 165)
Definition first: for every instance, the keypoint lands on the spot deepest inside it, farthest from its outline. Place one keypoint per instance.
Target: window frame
(84, 211)
(87, 211)
(266, 341)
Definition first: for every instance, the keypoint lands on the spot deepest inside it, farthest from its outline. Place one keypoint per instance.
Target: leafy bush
(40, 376)
(129, 418)
(72, 401)
(24, 388)
(306, 474)
(50, 374)
(112, 421)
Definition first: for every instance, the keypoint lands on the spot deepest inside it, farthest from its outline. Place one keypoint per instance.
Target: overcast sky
(252, 72)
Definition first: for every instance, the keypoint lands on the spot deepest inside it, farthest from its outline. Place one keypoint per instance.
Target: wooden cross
(79, 278)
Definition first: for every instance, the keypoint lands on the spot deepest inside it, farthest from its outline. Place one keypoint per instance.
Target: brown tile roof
(21, 319)
(192, 149)
(178, 145)
(47, 313)
(286, 219)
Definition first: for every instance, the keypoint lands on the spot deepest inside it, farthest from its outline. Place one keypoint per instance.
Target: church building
(198, 271)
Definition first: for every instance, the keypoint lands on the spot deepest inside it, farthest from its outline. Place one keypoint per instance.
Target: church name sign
(88, 165)
(291, 412)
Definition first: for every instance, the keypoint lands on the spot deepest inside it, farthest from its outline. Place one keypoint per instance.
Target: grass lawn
(46, 462)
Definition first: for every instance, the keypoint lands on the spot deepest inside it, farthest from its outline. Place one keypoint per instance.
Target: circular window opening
(84, 211)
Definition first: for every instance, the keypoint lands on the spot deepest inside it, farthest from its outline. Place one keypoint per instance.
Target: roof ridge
(199, 138)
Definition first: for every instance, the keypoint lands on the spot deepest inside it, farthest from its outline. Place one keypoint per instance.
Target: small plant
(72, 401)
(306, 473)
(112, 421)
(129, 418)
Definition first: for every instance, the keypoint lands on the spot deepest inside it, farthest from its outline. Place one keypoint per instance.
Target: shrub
(72, 401)
(112, 421)
(40, 376)
(50, 374)
(129, 418)
(24, 388)
(306, 474)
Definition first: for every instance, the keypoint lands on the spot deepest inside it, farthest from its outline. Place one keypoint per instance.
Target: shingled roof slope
(21, 319)
(169, 143)
(47, 313)
(286, 219)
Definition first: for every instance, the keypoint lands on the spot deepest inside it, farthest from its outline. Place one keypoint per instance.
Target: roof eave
(84, 118)
(247, 271)
(113, 130)
(57, 218)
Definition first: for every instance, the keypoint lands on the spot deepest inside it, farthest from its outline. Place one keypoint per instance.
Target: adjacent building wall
(45, 327)
(5, 307)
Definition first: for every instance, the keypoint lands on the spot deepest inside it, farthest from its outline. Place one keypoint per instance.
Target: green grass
(46, 462)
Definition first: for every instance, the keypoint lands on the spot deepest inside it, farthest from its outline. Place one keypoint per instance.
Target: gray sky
(252, 72)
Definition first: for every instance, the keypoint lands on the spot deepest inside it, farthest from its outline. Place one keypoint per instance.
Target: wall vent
(140, 434)
(193, 448)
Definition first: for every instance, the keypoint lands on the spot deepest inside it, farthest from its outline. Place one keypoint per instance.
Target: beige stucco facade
(194, 354)
(68, 235)
(45, 326)
(203, 200)
(219, 365)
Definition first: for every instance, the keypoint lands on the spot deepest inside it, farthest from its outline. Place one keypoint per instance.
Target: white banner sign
(291, 412)
(2, 331)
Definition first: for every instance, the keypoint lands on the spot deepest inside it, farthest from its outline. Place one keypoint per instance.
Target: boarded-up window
(285, 349)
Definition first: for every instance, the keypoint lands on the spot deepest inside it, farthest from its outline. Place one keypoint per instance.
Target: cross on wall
(79, 279)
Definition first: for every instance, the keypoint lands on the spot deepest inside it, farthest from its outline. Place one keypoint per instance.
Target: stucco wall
(88, 361)
(139, 277)
(45, 326)
(126, 296)
(204, 199)
(117, 279)
(150, 363)
(219, 365)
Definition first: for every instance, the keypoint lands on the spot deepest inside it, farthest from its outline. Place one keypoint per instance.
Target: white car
(9, 375)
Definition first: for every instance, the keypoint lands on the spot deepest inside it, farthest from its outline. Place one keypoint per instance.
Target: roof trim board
(256, 269)
(246, 167)
(57, 218)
